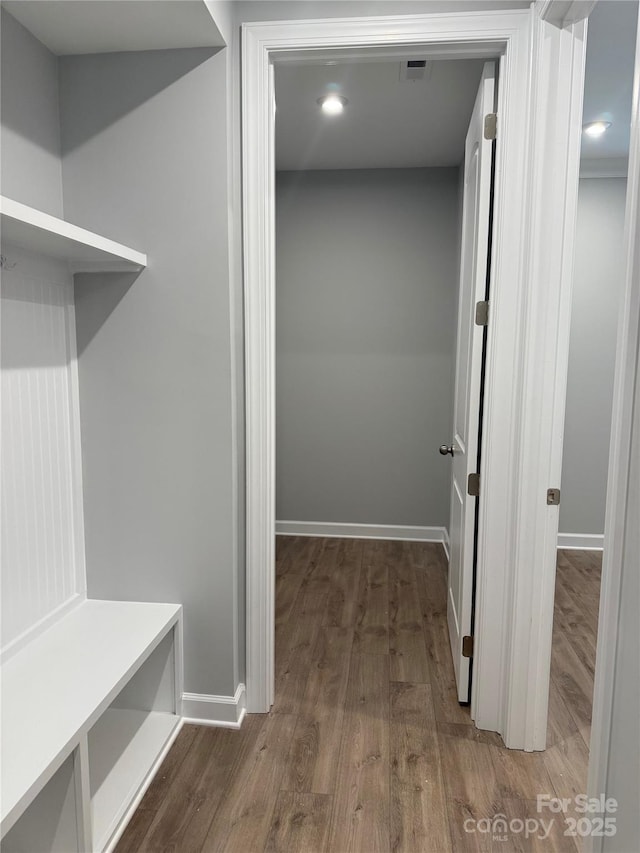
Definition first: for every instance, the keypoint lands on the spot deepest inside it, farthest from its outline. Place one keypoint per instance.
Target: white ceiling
(387, 123)
(611, 40)
(104, 26)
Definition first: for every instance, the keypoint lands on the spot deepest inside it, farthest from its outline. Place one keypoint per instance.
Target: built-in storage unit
(88, 706)
(91, 689)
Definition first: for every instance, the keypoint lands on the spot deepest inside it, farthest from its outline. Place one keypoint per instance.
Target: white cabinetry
(88, 707)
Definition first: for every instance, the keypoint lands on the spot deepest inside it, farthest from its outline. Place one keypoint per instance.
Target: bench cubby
(89, 707)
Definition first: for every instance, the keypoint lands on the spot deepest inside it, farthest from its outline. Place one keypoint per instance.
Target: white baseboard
(362, 531)
(223, 711)
(583, 541)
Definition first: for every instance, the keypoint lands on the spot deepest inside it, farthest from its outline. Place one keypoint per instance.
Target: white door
(469, 355)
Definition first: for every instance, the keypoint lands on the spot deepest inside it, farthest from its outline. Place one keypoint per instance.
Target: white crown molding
(203, 709)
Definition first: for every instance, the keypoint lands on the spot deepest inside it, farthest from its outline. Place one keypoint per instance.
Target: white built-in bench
(89, 707)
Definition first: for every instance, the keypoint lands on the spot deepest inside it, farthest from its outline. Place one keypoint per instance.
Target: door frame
(537, 164)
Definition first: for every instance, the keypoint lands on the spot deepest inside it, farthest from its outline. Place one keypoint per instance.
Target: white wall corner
(223, 711)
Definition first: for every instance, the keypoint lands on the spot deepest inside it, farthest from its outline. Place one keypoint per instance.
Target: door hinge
(553, 497)
(490, 126)
(467, 647)
(473, 485)
(482, 313)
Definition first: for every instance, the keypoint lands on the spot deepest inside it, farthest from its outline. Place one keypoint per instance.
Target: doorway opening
(368, 360)
(382, 271)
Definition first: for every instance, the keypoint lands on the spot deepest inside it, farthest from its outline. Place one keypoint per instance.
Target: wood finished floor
(366, 748)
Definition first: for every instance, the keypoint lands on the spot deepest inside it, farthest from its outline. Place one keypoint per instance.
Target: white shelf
(123, 747)
(83, 26)
(31, 229)
(56, 688)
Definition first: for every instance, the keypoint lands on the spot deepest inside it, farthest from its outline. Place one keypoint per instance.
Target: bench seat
(58, 687)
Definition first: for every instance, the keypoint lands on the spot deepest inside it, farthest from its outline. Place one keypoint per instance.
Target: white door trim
(521, 572)
(540, 97)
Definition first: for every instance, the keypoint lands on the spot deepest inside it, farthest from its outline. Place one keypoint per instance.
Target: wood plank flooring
(366, 748)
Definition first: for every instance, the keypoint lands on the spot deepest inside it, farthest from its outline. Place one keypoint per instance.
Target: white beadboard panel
(42, 541)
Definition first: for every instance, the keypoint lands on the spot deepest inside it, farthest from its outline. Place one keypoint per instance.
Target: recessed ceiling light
(594, 129)
(332, 104)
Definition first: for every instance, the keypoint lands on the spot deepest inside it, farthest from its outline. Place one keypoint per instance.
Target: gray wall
(30, 137)
(597, 283)
(366, 287)
(143, 138)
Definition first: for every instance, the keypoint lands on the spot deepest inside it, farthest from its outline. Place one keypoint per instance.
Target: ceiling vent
(414, 70)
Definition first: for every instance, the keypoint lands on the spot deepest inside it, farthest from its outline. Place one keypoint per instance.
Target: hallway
(366, 747)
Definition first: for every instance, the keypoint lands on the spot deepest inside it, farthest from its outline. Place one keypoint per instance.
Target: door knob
(444, 449)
